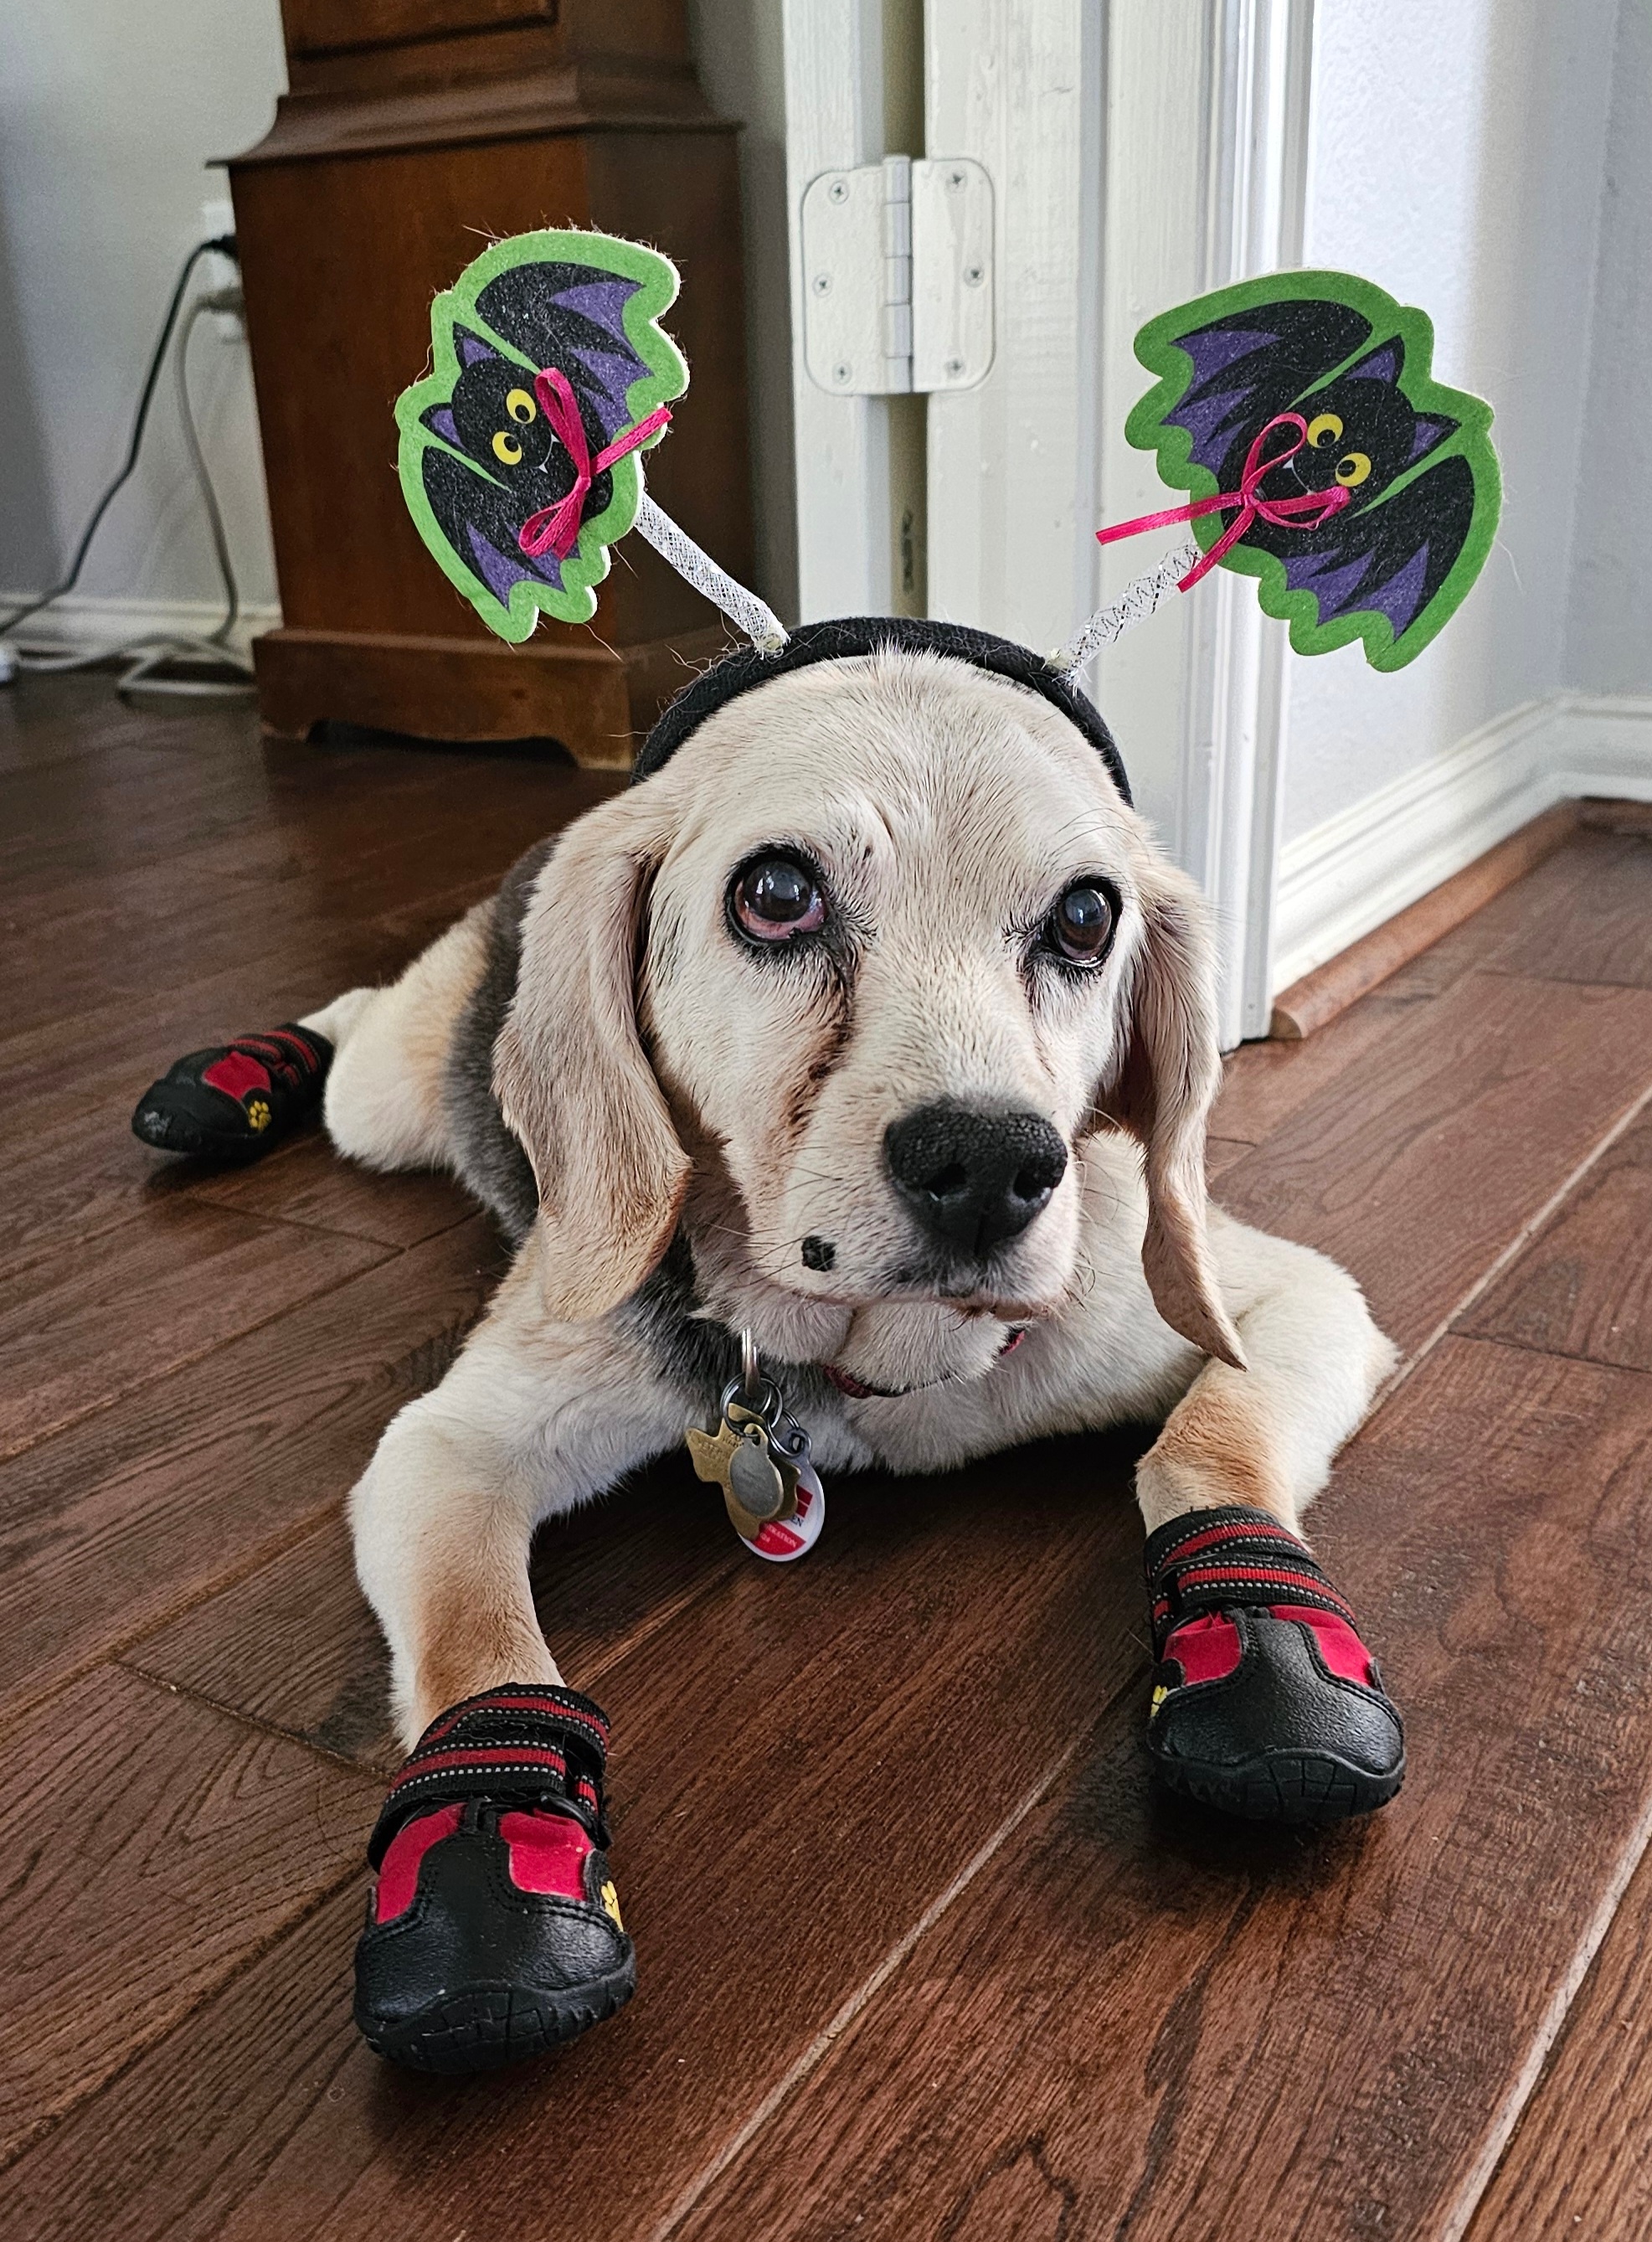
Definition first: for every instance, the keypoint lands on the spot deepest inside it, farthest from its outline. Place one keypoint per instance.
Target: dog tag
(760, 1486)
(760, 1456)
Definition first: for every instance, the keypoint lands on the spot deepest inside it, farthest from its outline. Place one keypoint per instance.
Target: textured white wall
(1609, 639)
(1459, 162)
(108, 116)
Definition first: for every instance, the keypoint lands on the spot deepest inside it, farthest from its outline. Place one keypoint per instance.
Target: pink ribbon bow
(1312, 510)
(555, 528)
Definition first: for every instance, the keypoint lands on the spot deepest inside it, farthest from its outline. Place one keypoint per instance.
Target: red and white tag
(781, 1541)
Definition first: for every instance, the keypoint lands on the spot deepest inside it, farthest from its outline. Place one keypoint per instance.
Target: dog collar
(856, 1389)
(848, 637)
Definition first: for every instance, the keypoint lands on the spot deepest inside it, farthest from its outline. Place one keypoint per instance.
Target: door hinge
(898, 275)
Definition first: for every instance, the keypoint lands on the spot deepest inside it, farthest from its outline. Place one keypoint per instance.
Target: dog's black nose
(971, 1177)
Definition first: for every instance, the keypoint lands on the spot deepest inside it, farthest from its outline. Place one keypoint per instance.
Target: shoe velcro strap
(1211, 1559)
(291, 1053)
(522, 1745)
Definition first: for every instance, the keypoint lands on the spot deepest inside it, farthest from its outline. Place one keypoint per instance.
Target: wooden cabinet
(415, 130)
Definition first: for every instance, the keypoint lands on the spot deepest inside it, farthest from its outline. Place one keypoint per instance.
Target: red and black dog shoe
(238, 1099)
(494, 1932)
(1265, 1702)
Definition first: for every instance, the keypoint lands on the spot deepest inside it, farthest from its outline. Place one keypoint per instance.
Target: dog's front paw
(494, 1932)
(1265, 1702)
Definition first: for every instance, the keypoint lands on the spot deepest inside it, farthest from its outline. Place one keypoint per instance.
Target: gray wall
(1608, 640)
(108, 115)
(1459, 162)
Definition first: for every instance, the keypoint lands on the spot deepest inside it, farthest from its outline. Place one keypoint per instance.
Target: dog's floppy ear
(1169, 1073)
(572, 1078)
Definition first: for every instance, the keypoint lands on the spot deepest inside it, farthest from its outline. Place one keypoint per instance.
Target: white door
(1138, 152)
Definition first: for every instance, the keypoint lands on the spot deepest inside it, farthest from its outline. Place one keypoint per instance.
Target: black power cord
(224, 244)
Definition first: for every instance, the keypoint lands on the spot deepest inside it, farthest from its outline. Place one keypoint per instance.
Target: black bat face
(499, 421)
(495, 419)
(1409, 517)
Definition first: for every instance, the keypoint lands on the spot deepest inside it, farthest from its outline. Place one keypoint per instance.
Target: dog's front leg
(1265, 1700)
(494, 1930)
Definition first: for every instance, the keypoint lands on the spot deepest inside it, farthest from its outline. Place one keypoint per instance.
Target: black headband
(745, 668)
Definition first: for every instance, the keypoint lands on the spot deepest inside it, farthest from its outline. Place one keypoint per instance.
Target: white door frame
(1141, 152)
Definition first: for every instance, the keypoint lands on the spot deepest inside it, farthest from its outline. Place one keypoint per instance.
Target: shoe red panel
(235, 1074)
(1205, 1649)
(1340, 1646)
(398, 1877)
(548, 1853)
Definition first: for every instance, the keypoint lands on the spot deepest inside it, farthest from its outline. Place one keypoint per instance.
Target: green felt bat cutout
(547, 355)
(1415, 457)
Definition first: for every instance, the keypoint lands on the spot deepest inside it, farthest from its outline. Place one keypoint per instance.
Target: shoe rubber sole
(1298, 1786)
(483, 2027)
(177, 1132)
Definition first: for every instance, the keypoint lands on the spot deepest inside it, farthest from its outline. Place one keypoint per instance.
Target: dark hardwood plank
(1310, 1004)
(1584, 1284)
(1583, 914)
(1418, 1166)
(133, 1514)
(1138, 2018)
(151, 1846)
(193, 2129)
(73, 1167)
(1578, 2163)
(294, 1644)
(306, 1182)
(78, 1330)
(1264, 1084)
(803, 1760)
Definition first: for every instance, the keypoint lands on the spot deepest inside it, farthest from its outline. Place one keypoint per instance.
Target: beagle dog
(872, 1024)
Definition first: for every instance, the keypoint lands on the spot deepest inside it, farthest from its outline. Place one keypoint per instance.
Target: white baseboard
(82, 620)
(1357, 869)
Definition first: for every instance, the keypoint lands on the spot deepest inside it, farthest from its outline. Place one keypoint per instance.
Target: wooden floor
(922, 1955)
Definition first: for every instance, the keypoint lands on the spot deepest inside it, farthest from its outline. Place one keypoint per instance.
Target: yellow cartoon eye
(522, 408)
(1352, 469)
(1326, 430)
(507, 449)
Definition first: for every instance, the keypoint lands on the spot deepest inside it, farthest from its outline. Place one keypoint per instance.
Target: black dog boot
(238, 1099)
(494, 1932)
(1265, 1703)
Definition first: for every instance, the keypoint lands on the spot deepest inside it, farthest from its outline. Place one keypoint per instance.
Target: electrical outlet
(219, 272)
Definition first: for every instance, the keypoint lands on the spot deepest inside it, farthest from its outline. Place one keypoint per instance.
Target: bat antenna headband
(521, 450)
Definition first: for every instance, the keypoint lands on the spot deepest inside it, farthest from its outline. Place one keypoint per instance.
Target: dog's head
(841, 990)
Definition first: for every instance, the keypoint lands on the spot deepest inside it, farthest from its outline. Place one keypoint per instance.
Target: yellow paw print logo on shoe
(611, 1901)
(257, 1112)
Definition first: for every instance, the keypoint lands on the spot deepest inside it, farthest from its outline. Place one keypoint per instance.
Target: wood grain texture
(1138, 2019)
(306, 1183)
(1307, 1004)
(1583, 914)
(137, 1511)
(1584, 1284)
(181, 1844)
(1578, 2163)
(193, 2128)
(294, 1644)
(79, 1330)
(801, 1761)
(1420, 1165)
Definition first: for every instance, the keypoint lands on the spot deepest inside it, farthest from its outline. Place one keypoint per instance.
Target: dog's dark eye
(1081, 927)
(776, 898)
